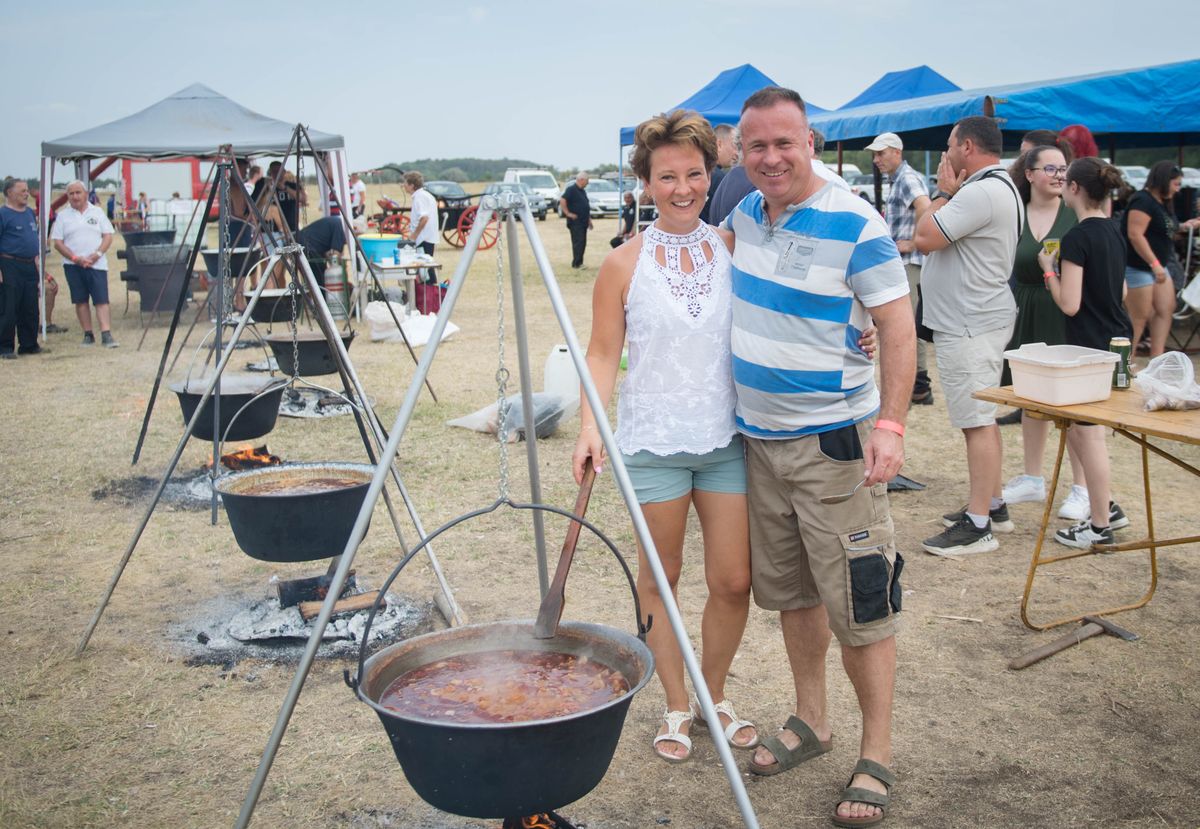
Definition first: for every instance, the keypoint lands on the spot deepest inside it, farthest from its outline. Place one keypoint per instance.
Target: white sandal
(675, 720)
(735, 725)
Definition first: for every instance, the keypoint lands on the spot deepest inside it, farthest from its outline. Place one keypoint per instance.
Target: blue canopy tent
(720, 100)
(917, 82)
(1150, 107)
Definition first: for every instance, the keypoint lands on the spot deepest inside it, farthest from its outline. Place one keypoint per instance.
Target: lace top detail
(678, 395)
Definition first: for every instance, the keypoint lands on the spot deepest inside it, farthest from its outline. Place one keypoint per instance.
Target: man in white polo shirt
(83, 234)
(969, 235)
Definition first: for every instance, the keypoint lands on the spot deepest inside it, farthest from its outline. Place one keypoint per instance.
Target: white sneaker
(1076, 507)
(1024, 488)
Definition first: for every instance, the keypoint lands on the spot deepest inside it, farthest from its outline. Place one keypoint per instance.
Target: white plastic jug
(561, 378)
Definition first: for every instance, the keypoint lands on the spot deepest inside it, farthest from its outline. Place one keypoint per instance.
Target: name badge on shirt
(796, 258)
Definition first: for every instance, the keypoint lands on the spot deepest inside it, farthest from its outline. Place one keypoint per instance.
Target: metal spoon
(845, 496)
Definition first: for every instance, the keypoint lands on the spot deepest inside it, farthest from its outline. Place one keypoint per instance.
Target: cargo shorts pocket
(873, 567)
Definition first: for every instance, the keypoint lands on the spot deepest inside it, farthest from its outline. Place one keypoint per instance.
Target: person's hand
(947, 180)
(868, 341)
(1047, 261)
(588, 445)
(1160, 274)
(905, 245)
(882, 456)
(590, 225)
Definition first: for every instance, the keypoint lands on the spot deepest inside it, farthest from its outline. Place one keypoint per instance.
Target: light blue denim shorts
(1137, 278)
(667, 477)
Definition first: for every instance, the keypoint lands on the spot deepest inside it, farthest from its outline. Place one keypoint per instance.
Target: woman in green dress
(1039, 175)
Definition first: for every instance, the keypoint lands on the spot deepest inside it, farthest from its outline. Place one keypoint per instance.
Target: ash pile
(277, 627)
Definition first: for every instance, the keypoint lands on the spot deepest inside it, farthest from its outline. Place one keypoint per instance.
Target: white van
(541, 182)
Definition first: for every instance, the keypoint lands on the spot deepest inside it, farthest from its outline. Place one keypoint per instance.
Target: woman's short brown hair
(414, 180)
(679, 127)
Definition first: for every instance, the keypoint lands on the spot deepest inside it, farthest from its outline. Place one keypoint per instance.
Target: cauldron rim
(306, 336)
(230, 483)
(232, 383)
(415, 643)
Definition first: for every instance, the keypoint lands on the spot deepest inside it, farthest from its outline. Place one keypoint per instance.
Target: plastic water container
(561, 378)
(1061, 375)
(379, 246)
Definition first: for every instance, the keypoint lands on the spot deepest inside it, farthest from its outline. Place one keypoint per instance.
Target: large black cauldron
(293, 527)
(507, 769)
(503, 770)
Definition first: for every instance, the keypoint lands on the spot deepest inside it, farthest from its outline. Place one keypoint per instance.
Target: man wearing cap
(907, 200)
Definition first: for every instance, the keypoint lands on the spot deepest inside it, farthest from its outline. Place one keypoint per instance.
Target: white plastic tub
(1061, 375)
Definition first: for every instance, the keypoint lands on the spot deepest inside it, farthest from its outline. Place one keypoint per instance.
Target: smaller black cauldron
(274, 305)
(236, 391)
(315, 356)
(285, 526)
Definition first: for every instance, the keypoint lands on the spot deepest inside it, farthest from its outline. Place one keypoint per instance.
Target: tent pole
(44, 189)
(839, 158)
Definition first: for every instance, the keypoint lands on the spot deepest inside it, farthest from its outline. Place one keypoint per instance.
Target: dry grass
(1104, 734)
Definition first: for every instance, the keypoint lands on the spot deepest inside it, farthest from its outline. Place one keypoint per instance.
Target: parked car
(604, 197)
(863, 185)
(1191, 177)
(537, 205)
(1134, 174)
(541, 182)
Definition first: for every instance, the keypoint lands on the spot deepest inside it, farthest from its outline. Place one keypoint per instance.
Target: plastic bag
(548, 410)
(1168, 382)
(417, 327)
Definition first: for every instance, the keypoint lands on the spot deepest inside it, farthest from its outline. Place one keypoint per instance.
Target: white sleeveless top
(678, 395)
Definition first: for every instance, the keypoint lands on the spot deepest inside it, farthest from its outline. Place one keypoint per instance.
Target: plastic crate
(1061, 375)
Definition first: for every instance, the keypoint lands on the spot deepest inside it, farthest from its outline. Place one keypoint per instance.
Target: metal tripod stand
(508, 207)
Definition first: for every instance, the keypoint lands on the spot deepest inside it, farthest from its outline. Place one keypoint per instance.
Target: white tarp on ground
(418, 327)
(196, 121)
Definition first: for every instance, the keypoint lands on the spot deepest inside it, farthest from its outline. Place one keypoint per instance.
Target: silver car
(537, 204)
(603, 197)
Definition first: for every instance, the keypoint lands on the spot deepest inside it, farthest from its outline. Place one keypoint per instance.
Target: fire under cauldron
(501, 770)
(316, 358)
(248, 402)
(291, 512)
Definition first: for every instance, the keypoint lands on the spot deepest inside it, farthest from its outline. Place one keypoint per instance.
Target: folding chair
(1188, 304)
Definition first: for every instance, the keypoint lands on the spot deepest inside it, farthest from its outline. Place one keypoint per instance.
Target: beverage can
(1051, 246)
(1121, 346)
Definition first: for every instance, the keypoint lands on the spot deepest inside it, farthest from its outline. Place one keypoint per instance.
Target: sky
(549, 82)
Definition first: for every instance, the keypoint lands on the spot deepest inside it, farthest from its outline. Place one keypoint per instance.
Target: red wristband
(890, 426)
(1048, 274)
(1155, 264)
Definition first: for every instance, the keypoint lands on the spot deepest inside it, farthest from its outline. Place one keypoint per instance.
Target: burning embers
(546, 820)
(248, 457)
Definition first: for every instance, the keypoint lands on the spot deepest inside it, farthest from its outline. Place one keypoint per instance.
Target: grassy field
(135, 733)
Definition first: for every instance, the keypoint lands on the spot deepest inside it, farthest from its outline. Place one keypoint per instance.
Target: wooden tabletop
(1123, 410)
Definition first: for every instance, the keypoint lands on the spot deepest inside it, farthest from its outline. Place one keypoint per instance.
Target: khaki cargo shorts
(804, 553)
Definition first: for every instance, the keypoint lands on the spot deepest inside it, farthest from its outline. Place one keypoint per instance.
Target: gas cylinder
(335, 287)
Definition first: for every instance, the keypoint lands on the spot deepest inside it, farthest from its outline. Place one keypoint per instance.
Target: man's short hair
(9, 184)
(983, 132)
(769, 96)
(725, 131)
(75, 181)
(818, 142)
(679, 127)
(414, 180)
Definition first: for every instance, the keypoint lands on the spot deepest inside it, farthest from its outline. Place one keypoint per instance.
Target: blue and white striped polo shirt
(801, 290)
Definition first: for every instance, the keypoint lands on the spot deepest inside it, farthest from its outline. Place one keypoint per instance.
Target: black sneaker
(1082, 535)
(1001, 523)
(51, 328)
(964, 538)
(88, 338)
(106, 339)
(924, 398)
(1117, 519)
(8, 355)
(1010, 419)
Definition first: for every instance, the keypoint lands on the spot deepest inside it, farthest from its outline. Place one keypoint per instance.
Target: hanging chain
(293, 289)
(502, 374)
(226, 309)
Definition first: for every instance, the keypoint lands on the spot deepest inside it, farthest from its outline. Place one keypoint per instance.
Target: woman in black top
(1150, 227)
(1090, 293)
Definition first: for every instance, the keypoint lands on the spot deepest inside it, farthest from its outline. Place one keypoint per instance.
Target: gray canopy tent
(194, 122)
